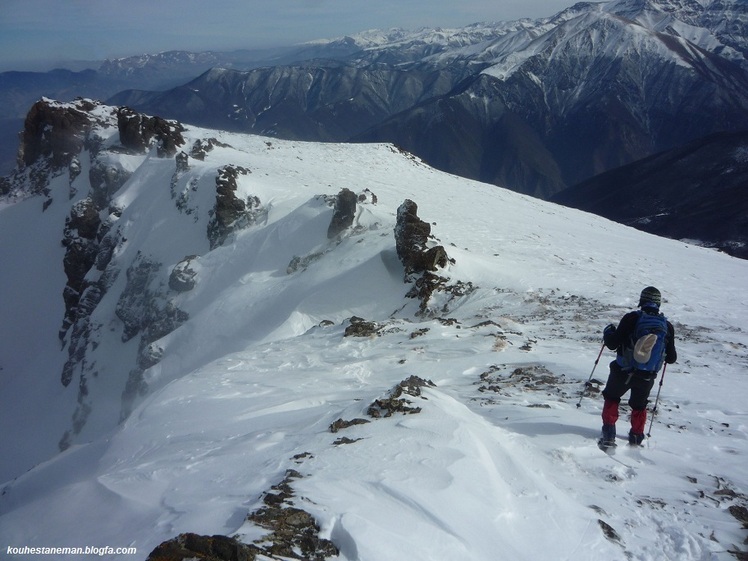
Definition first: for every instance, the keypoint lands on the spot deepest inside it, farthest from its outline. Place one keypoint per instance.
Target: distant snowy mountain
(223, 346)
(600, 87)
(536, 106)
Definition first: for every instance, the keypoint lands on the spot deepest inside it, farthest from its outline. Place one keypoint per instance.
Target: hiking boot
(608, 437)
(635, 439)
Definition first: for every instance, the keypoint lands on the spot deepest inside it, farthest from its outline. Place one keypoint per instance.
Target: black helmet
(650, 297)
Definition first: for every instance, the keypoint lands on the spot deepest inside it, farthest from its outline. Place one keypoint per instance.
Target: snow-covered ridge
(712, 26)
(605, 30)
(249, 384)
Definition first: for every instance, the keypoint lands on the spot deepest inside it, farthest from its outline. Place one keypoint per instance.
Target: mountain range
(537, 106)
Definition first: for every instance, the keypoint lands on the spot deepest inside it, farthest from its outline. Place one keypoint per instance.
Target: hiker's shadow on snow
(546, 428)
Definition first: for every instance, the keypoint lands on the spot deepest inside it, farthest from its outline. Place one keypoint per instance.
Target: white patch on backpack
(643, 348)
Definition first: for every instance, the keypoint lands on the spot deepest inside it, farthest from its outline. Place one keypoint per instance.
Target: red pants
(638, 416)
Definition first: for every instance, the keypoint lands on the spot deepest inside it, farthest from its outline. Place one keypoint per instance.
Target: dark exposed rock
(299, 262)
(74, 170)
(609, 531)
(428, 283)
(132, 304)
(345, 440)
(201, 147)
(294, 533)
(183, 195)
(161, 318)
(82, 246)
(411, 235)
(144, 308)
(434, 258)
(182, 277)
(293, 530)
(5, 186)
(84, 219)
(419, 332)
(183, 162)
(395, 402)
(135, 387)
(412, 386)
(79, 257)
(191, 546)
(106, 251)
(740, 513)
(138, 131)
(366, 196)
(340, 424)
(345, 212)
(105, 181)
(532, 377)
(230, 212)
(54, 130)
(54, 135)
(359, 327)
(81, 332)
(411, 238)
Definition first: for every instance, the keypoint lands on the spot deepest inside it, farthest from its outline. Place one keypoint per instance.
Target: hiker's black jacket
(616, 339)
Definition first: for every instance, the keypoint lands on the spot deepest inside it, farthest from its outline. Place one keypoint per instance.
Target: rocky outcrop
(80, 239)
(52, 139)
(292, 534)
(345, 212)
(133, 302)
(395, 402)
(359, 327)
(183, 276)
(411, 241)
(201, 147)
(105, 178)
(137, 132)
(412, 237)
(143, 307)
(189, 546)
(56, 131)
(90, 245)
(230, 212)
(146, 310)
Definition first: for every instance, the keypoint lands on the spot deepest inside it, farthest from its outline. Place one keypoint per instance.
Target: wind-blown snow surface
(500, 463)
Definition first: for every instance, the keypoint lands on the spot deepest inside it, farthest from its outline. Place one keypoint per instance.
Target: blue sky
(50, 31)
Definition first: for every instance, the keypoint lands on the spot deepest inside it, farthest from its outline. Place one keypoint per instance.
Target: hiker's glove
(609, 330)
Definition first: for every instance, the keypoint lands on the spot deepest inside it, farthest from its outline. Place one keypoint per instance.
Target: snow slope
(499, 464)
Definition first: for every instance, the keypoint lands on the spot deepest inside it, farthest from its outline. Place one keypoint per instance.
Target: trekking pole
(587, 383)
(657, 399)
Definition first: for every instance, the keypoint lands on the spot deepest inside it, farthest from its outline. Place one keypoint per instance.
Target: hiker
(642, 341)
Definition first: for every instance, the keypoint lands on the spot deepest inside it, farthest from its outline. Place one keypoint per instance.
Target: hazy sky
(57, 30)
